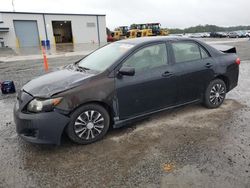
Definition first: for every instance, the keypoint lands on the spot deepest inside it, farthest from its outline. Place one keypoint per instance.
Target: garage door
(27, 33)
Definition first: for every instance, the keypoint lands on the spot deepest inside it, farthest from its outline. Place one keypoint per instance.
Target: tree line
(207, 28)
(201, 29)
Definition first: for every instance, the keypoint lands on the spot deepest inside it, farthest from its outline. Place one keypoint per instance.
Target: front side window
(148, 58)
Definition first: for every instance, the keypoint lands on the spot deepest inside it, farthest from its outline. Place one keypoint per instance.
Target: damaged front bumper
(41, 128)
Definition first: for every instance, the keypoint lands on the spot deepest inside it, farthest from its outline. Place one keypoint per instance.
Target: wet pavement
(54, 49)
(204, 147)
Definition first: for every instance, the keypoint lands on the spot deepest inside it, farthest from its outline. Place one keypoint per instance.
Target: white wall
(102, 29)
(81, 33)
(1, 19)
(10, 37)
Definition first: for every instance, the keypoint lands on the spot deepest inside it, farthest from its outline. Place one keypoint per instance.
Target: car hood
(55, 82)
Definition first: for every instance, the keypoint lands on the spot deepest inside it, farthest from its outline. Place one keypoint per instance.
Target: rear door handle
(167, 74)
(208, 65)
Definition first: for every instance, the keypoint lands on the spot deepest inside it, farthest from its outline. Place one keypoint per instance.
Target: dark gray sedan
(121, 82)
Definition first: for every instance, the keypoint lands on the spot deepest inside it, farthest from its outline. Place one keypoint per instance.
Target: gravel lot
(186, 147)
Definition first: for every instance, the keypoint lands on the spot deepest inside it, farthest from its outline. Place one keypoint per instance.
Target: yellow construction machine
(132, 33)
(139, 30)
(120, 33)
(157, 30)
(150, 29)
(144, 30)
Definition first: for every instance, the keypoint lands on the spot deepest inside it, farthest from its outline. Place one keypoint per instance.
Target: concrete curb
(38, 57)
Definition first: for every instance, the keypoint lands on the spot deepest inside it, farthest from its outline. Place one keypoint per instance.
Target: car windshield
(104, 57)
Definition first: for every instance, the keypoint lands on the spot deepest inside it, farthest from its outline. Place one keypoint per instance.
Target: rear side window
(188, 51)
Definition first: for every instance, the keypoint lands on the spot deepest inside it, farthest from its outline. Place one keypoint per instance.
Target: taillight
(237, 61)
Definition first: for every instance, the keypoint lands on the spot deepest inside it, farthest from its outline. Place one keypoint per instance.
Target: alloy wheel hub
(90, 125)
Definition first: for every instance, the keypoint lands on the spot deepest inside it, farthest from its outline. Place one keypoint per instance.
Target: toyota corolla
(121, 82)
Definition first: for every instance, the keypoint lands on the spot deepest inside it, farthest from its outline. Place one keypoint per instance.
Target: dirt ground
(186, 147)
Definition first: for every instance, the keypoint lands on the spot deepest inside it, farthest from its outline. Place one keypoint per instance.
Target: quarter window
(204, 54)
(148, 57)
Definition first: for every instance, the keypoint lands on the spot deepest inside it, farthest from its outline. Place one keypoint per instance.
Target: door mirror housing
(127, 71)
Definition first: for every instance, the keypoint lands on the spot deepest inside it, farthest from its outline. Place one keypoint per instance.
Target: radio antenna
(13, 5)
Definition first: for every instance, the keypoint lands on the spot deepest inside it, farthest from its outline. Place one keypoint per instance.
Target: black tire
(215, 93)
(85, 124)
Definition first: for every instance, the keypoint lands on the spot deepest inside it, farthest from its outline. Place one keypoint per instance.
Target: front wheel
(215, 93)
(88, 124)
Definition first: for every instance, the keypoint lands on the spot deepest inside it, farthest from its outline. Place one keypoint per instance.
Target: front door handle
(167, 74)
(208, 65)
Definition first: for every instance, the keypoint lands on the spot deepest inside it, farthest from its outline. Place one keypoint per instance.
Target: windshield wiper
(80, 68)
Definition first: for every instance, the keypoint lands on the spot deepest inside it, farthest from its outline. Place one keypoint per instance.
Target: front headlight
(39, 105)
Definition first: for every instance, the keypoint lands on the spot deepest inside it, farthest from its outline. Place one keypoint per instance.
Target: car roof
(142, 40)
(137, 42)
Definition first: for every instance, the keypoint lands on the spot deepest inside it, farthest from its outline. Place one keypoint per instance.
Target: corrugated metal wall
(27, 33)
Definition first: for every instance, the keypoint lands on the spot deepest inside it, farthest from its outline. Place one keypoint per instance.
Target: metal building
(26, 29)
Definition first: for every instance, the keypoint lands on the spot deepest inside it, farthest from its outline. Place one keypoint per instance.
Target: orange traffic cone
(45, 60)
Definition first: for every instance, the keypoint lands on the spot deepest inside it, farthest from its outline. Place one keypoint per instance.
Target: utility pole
(13, 5)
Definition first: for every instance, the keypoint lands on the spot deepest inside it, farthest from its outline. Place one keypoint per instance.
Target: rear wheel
(88, 124)
(215, 93)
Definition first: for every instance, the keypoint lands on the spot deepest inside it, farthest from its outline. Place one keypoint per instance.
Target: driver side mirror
(127, 71)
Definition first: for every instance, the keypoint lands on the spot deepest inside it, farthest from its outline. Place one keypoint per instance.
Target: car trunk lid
(225, 48)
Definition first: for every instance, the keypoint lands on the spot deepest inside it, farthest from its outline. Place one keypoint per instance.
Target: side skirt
(121, 123)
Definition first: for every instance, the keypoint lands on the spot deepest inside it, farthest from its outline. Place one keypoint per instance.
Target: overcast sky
(170, 13)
